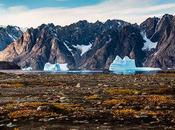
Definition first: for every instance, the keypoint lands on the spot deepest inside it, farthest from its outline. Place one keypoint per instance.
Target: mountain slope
(85, 45)
(8, 35)
(82, 45)
(164, 35)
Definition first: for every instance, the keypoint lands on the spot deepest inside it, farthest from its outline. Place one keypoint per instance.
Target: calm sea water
(124, 72)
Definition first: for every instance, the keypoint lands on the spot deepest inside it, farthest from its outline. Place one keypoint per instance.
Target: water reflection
(124, 72)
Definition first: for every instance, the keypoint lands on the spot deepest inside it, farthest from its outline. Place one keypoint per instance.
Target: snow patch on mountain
(148, 45)
(12, 37)
(65, 43)
(83, 48)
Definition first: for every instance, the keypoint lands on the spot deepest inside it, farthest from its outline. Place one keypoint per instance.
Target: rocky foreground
(99, 98)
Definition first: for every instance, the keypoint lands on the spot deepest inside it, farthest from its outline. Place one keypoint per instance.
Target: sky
(32, 13)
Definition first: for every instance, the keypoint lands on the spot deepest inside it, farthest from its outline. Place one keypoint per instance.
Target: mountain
(85, 45)
(8, 35)
(82, 45)
(163, 33)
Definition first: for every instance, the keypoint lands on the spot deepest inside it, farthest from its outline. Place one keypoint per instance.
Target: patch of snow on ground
(148, 45)
(83, 48)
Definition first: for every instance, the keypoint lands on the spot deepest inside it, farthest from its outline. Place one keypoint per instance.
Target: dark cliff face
(164, 55)
(38, 46)
(125, 41)
(85, 45)
(8, 66)
(8, 35)
(149, 26)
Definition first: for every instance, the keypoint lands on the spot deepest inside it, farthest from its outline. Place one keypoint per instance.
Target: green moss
(118, 91)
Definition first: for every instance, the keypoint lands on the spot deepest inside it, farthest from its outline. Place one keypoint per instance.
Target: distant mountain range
(85, 45)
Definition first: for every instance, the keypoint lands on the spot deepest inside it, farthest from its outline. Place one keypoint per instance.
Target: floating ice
(55, 67)
(127, 66)
(122, 64)
(64, 67)
(27, 69)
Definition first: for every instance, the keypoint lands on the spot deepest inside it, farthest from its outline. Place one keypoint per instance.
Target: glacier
(55, 67)
(127, 66)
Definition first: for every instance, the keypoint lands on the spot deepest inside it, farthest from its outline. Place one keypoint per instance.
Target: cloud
(134, 11)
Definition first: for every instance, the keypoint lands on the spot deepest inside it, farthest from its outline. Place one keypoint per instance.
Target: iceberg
(122, 64)
(64, 67)
(127, 66)
(27, 69)
(55, 67)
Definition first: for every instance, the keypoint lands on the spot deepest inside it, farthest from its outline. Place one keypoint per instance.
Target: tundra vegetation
(97, 98)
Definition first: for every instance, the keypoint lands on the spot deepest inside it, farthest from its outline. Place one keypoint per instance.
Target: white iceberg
(27, 69)
(64, 67)
(127, 65)
(122, 64)
(55, 67)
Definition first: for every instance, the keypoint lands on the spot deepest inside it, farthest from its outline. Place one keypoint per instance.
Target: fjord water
(124, 72)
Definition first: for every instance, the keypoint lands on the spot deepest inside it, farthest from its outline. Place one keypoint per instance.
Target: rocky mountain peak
(149, 26)
(85, 45)
(8, 35)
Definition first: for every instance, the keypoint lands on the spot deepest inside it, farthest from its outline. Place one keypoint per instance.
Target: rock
(4, 65)
(164, 55)
(63, 99)
(1, 108)
(81, 122)
(15, 120)
(43, 108)
(91, 46)
(10, 125)
(78, 85)
(81, 45)
(8, 35)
